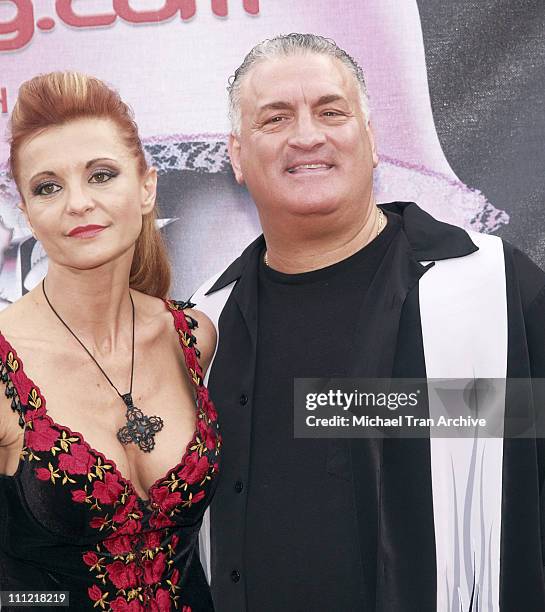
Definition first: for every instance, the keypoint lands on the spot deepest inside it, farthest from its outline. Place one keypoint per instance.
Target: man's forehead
(282, 78)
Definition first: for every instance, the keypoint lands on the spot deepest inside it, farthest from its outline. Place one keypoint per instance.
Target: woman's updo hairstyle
(57, 98)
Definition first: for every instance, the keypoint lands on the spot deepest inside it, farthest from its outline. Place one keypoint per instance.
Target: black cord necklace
(140, 428)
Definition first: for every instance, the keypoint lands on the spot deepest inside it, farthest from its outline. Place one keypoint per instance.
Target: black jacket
(396, 522)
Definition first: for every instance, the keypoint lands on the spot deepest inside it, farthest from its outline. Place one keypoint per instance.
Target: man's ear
(22, 207)
(149, 190)
(234, 154)
(373, 144)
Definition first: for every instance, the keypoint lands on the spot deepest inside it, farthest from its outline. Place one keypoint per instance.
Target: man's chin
(313, 207)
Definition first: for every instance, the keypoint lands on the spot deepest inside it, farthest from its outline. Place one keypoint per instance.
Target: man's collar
(430, 240)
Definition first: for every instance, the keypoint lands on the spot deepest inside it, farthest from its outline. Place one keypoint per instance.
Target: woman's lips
(86, 231)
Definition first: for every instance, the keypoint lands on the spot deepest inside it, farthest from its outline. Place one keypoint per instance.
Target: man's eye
(101, 176)
(331, 113)
(276, 119)
(46, 189)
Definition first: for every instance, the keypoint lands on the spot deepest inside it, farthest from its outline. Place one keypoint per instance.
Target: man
(338, 287)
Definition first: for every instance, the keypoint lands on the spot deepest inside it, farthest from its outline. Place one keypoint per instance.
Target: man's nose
(307, 132)
(78, 199)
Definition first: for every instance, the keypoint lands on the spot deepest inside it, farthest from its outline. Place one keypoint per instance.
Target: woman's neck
(95, 304)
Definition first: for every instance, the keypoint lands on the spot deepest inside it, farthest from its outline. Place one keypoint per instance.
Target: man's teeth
(308, 167)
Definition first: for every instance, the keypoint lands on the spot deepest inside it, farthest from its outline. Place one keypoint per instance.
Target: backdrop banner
(170, 60)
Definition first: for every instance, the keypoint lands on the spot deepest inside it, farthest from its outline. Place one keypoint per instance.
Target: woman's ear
(22, 207)
(149, 190)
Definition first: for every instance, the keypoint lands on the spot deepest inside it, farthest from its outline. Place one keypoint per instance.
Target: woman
(103, 487)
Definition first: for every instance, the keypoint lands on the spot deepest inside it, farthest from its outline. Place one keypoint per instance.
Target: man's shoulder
(218, 287)
(529, 277)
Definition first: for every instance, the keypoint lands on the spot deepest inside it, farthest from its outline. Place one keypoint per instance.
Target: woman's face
(83, 194)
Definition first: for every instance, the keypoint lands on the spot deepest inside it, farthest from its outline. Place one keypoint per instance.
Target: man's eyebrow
(277, 105)
(281, 105)
(329, 99)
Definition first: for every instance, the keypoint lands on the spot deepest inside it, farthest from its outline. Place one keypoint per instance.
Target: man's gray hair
(288, 45)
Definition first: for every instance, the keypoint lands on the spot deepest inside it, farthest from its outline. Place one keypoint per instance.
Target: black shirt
(304, 321)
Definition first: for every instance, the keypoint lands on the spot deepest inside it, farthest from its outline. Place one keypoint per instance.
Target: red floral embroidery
(152, 540)
(122, 512)
(134, 564)
(160, 521)
(90, 559)
(206, 434)
(96, 594)
(79, 495)
(77, 461)
(43, 474)
(120, 604)
(119, 545)
(99, 522)
(161, 601)
(107, 491)
(42, 436)
(197, 497)
(154, 568)
(166, 500)
(21, 382)
(130, 527)
(123, 575)
(195, 469)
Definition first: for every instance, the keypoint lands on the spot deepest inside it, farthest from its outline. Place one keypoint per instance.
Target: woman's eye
(46, 189)
(101, 177)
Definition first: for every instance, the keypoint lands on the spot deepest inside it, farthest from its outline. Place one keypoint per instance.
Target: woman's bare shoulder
(20, 316)
(206, 336)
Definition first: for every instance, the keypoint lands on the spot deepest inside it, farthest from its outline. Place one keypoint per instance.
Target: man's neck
(320, 244)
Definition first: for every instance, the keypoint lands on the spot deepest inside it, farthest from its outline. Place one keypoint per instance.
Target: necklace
(380, 227)
(140, 428)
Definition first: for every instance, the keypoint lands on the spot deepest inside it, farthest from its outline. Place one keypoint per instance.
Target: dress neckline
(196, 376)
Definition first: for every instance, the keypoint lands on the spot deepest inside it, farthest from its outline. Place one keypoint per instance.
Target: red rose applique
(161, 601)
(41, 437)
(163, 498)
(206, 435)
(90, 558)
(130, 527)
(98, 522)
(122, 512)
(24, 387)
(96, 595)
(160, 520)
(123, 575)
(119, 545)
(154, 568)
(79, 496)
(107, 492)
(43, 473)
(197, 497)
(152, 539)
(122, 605)
(194, 469)
(78, 461)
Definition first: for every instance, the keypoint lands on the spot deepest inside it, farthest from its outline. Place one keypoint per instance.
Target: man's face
(305, 146)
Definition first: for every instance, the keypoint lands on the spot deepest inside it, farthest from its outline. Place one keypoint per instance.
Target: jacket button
(239, 486)
(243, 399)
(235, 576)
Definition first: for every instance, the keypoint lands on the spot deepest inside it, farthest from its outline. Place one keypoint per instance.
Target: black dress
(69, 521)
